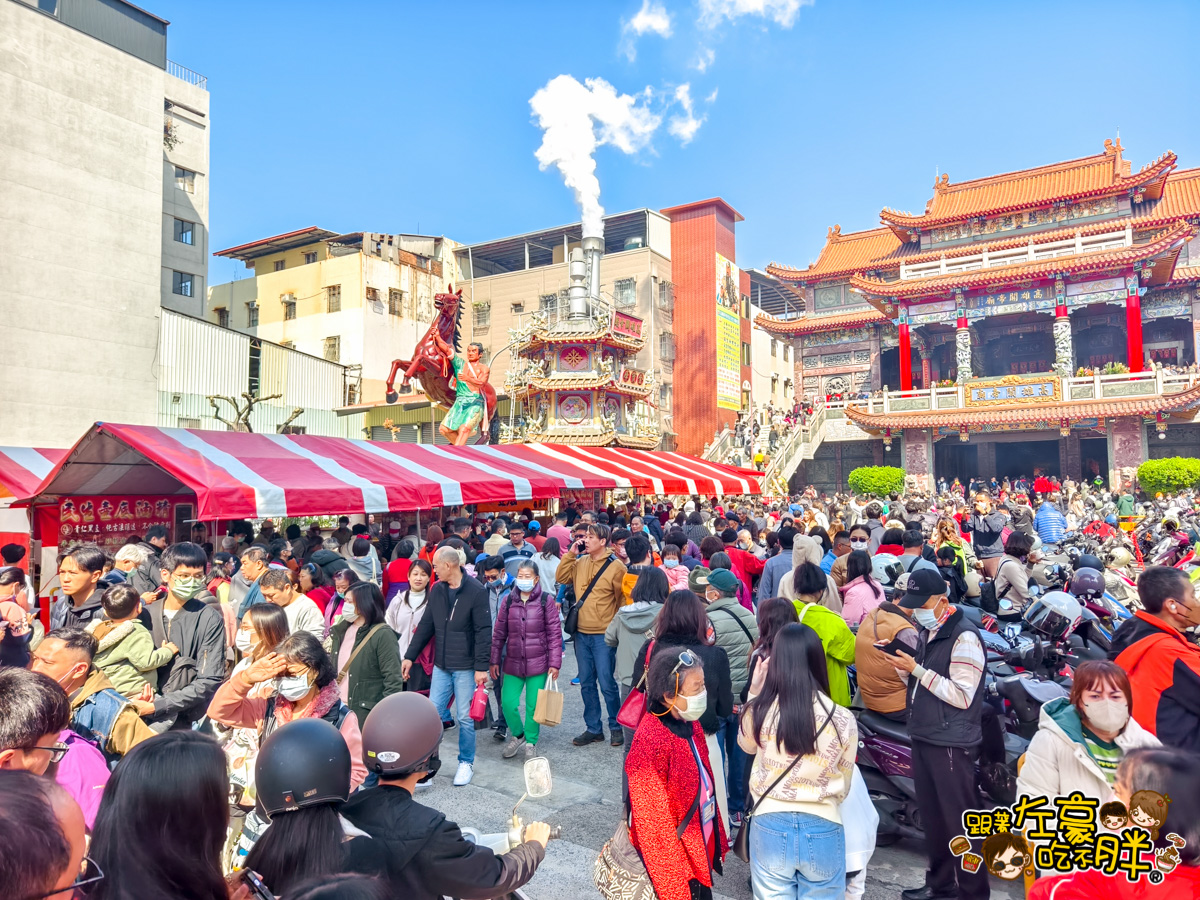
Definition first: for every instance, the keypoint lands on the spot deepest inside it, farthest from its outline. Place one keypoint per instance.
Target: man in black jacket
(459, 621)
(187, 617)
(945, 722)
(146, 577)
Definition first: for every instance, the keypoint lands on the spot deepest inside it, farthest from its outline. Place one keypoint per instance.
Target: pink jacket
(677, 577)
(858, 598)
(232, 706)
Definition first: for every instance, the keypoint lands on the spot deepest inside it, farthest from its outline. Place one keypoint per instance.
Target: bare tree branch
(296, 413)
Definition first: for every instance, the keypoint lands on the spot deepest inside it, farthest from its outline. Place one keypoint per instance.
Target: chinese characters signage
(729, 335)
(626, 325)
(1005, 302)
(1068, 834)
(108, 521)
(1039, 389)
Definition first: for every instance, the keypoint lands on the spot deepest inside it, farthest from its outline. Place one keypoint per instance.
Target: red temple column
(905, 352)
(926, 372)
(1133, 326)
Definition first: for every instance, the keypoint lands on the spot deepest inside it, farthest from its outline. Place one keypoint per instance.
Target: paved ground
(586, 802)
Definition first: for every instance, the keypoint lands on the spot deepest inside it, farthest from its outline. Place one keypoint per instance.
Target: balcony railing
(183, 73)
(1086, 387)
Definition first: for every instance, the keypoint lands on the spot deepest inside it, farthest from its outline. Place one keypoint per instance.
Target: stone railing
(719, 448)
(801, 443)
(1085, 387)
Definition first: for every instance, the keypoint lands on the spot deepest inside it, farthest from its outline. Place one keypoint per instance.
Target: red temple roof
(1045, 268)
(1090, 176)
(807, 324)
(845, 254)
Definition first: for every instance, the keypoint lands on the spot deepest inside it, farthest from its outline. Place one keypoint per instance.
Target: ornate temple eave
(1024, 414)
(787, 328)
(639, 442)
(610, 385)
(544, 338)
(942, 285)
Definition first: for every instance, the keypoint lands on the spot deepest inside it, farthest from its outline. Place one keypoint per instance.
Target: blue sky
(405, 117)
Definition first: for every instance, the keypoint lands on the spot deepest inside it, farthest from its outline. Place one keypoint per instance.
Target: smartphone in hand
(893, 647)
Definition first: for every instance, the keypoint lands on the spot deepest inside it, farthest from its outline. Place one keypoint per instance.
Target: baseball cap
(698, 579)
(393, 528)
(922, 584)
(723, 580)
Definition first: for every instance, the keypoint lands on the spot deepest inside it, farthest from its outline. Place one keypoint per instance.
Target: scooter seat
(884, 726)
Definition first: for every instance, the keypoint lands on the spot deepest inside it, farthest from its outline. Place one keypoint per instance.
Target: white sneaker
(465, 773)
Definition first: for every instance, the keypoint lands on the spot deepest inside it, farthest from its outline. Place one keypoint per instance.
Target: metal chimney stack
(577, 294)
(593, 249)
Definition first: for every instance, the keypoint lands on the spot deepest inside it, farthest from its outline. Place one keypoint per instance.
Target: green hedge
(877, 480)
(1168, 475)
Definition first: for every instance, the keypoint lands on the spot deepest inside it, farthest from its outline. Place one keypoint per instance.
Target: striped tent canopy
(23, 468)
(237, 475)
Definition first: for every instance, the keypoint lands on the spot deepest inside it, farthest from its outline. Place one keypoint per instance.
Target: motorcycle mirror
(538, 781)
(1034, 590)
(1006, 605)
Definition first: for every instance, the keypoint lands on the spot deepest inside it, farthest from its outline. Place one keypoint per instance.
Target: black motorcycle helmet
(1089, 561)
(303, 763)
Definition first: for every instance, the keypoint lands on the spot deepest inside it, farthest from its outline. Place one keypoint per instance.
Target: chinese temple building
(573, 380)
(1037, 319)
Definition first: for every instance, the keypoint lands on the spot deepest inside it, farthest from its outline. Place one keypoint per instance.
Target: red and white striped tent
(22, 469)
(237, 475)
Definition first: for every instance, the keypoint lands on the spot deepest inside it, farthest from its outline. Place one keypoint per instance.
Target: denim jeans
(595, 659)
(735, 763)
(797, 856)
(462, 685)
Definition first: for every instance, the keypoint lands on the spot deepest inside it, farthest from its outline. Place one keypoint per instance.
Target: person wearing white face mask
(365, 651)
(671, 809)
(404, 615)
(1081, 740)
(527, 642)
(860, 539)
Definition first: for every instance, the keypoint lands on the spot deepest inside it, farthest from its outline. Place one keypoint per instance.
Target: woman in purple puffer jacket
(527, 638)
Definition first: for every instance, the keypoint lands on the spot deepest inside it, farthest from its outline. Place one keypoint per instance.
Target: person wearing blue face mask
(945, 705)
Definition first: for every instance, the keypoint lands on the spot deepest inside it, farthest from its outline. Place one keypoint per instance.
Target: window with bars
(745, 354)
(395, 302)
(333, 348)
(547, 302)
(310, 258)
(194, 424)
(664, 397)
(289, 308)
(333, 298)
(787, 352)
(666, 295)
(625, 292)
(222, 316)
(773, 343)
(280, 265)
(481, 316)
(373, 294)
(181, 283)
(666, 346)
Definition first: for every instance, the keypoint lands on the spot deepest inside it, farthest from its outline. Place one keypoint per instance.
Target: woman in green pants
(527, 642)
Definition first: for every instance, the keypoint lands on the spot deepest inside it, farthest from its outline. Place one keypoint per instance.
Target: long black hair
(774, 614)
(796, 671)
(682, 615)
(858, 565)
(301, 844)
(651, 587)
(173, 790)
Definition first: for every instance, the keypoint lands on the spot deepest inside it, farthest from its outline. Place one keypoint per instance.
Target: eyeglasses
(57, 752)
(89, 873)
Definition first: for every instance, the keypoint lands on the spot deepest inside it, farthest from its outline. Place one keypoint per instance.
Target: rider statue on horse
(448, 379)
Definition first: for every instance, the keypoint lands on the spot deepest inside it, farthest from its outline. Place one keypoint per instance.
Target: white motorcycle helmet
(886, 568)
(1037, 544)
(1055, 615)
(1119, 557)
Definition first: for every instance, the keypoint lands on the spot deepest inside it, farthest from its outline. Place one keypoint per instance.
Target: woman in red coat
(672, 795)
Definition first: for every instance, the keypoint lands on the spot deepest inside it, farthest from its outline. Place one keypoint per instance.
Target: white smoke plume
(576, 119)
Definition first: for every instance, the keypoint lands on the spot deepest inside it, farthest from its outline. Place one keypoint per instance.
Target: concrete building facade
(83, 89)
(360, 299)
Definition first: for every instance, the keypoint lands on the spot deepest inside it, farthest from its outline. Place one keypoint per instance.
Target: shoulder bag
(741, 844)
(738, 619)
(633, 709)
(571, 618)
(620, 871)
(346, 668)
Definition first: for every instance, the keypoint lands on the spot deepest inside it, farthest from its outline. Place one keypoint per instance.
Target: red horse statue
(454, 383)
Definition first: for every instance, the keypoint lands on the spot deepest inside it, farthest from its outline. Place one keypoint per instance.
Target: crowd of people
(272, 707)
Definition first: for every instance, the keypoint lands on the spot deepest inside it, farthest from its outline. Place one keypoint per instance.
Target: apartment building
(360, 299)
(96, 122)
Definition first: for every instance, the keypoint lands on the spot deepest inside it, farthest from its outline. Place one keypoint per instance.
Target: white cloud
(576, 119)
(652, 18)
(685, 125)
(782, 12)
(711, 98)
(704, 59)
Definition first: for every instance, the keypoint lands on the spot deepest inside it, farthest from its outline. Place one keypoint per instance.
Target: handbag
(571, 619)
(549, 707)
(620, 872)
(741, 844)
(634, 708)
